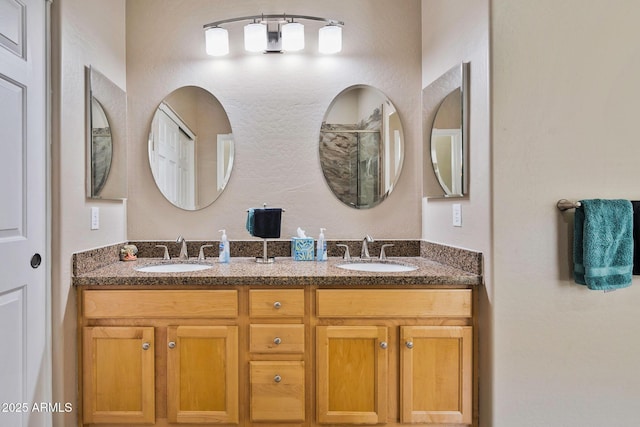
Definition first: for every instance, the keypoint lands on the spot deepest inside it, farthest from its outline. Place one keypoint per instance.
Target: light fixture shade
(330, 39)
(217, 41)
(255, 37)
(292, 37)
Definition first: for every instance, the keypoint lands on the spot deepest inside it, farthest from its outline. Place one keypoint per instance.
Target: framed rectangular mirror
(445, 127)
(106, 135)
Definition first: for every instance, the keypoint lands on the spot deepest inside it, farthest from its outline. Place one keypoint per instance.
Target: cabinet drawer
(277, 338)
(277, 391)
(393, 303)
(115, 304)
(276, 303)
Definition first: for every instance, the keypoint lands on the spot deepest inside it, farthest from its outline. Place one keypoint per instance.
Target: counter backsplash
(464, 259)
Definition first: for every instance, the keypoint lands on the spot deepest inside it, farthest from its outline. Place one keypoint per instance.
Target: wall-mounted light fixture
(274, 34)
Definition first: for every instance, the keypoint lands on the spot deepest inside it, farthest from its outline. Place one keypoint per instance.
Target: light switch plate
(95, 218)
(457, 215)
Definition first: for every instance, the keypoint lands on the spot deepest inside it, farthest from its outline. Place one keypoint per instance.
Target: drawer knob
(277, 305)
(172, 344)
(277, 341)
(146, 346)
(384, 345)
(277, 378)
(409, 344)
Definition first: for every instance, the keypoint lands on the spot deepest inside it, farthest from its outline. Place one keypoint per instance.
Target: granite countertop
(285, 271)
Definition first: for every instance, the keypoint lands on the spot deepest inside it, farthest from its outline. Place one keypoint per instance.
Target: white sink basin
(378, 267)
(173, 268)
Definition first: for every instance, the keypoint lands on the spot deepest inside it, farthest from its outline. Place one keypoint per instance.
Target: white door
(173, 158)
(24, 257)
(225, 159)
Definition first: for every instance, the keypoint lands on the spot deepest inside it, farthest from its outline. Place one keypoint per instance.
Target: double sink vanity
(295, 343)
(170, 342)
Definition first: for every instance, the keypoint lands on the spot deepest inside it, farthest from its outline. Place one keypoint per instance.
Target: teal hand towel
(603, 244)
(250, 220)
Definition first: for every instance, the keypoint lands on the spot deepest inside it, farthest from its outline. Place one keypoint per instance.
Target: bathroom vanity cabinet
(267, 355)
(380, 347)
(148, 354)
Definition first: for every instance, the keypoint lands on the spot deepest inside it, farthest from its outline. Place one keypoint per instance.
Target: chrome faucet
(364, 253)
(183, 249)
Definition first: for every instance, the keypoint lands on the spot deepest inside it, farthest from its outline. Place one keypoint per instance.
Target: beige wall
(564, 101)
(453, 32)
(275, 105)
(565, 93)
(85, 32)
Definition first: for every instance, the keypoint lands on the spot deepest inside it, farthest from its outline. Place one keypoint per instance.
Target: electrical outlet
(95, 218)
(457, 215)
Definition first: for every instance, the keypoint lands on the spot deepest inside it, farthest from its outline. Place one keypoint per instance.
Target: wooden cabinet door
(118, 375)
(277, 391)
(436, 374)
(352, 374)
(202, 374)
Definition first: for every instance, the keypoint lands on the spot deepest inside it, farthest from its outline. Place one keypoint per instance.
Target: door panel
(12, 350)
(202, 374)
(118, 375)
(13, 160)
(352, 374)
(437, 373)
(25, 369)
(13, 26)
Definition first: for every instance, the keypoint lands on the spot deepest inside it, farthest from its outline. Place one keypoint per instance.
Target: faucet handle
(383, 255)
(347, 256)
(166, 251)
(201, 256)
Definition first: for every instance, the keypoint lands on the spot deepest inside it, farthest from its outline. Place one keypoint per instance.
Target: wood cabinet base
(263, 356)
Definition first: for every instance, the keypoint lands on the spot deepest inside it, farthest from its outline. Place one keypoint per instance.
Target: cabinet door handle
(384, 345)
(146, 346)
(277, 341)
(409, 344)
(277, 378)
(172, 344)
(277, 305)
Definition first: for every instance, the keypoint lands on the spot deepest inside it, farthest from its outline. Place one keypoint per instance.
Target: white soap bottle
(224, 250)
(321, 249)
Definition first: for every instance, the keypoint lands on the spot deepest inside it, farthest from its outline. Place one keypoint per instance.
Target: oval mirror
(446, 144)
(361, 146)
(101, 147)
(191, 148)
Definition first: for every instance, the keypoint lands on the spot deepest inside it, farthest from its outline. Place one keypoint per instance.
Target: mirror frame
(113, 101)
(399, 163)
(432, 98)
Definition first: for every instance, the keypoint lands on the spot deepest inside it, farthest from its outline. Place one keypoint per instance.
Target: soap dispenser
(321, 250)
(224, 250)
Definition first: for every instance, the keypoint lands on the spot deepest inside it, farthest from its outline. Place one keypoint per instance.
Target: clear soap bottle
(321, 249)
(224, 250)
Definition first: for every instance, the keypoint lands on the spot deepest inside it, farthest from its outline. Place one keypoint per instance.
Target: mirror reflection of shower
(357, 155)
(106, 137)
(101, 147)
(361, 149)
